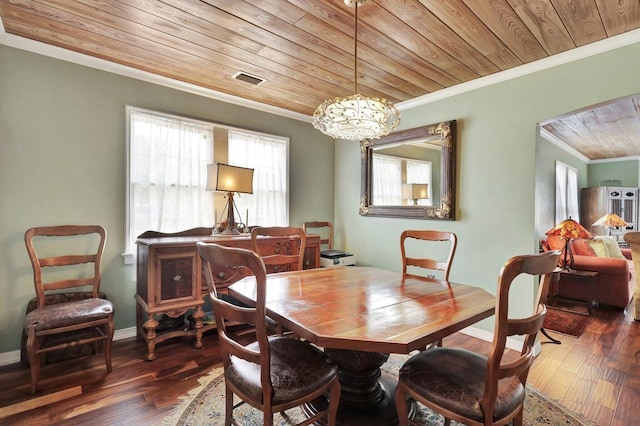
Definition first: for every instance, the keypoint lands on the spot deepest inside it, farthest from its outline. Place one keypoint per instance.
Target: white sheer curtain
(268, 156)
(566, 193)
(387, 184)
(168, 174)
(420, 172)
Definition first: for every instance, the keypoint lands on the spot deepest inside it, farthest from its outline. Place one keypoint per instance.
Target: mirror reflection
(406, 173)
(410, 173)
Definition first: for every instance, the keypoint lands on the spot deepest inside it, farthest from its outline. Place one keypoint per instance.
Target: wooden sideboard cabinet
(170, 280)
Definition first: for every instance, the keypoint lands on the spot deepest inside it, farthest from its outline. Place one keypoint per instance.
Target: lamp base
(230, 232)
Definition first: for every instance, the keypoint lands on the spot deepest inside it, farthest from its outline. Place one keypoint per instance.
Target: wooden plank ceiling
(304, 49)
(610, 130)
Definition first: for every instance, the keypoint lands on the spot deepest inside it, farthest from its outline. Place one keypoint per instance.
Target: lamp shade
(569, 229)
(610, 220)
(415, 191)
(224, 177)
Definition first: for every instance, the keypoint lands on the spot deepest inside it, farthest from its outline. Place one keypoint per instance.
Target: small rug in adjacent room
(204, 406)
(566, 322)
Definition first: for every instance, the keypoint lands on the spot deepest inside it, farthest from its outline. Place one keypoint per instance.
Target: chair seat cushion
(454, 379)
(68, 314)
(297, 367)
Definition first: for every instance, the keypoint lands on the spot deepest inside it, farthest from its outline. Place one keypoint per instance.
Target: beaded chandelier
(356, 117)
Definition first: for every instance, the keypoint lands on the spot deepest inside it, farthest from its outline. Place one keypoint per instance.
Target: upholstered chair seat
(70, 313)
(464, 377)
(295, 370)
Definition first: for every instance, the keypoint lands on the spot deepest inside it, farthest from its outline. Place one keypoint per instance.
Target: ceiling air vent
(248, 78)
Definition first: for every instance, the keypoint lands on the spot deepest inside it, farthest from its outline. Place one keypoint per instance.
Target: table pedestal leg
(367, 394)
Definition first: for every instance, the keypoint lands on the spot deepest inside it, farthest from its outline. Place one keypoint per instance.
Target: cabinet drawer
(223, 278)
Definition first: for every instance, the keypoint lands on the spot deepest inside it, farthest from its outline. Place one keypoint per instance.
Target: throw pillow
(581, 247)
(612, 247)
(599, 247)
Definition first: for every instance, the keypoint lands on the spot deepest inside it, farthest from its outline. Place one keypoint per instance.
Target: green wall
(496, 163)
(62, 161)
(624, 171)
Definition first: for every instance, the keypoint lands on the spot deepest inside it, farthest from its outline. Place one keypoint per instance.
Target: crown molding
(595, 48)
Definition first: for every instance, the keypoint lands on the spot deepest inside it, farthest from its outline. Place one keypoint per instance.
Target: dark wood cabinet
(170, 282)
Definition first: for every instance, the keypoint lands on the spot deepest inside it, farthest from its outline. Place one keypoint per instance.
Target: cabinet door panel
(176, 275)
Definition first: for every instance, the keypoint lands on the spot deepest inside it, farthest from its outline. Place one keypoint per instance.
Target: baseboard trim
(13, 357)
(487, 336)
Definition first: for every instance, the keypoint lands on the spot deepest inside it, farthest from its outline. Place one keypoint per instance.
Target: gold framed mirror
(410, 173)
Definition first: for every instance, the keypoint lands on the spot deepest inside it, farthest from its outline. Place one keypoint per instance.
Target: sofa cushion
(582, 248)
(599, 247)
(612, 247)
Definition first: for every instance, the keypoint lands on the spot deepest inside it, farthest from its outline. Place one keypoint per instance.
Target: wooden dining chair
(428, 263)
(272, 374)
(70, 260)
(468, 387)
(282, 256)
(326, 229)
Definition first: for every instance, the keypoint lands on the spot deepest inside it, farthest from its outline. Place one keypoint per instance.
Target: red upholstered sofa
(615, 282)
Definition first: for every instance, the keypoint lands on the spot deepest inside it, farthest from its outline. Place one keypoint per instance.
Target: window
(566, 193)
(387, 188)
(167, 174)
(268, 156)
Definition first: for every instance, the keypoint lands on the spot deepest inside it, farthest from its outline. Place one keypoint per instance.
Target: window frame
(129, 246)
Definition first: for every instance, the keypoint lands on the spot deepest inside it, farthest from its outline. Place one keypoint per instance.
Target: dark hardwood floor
(597, 375)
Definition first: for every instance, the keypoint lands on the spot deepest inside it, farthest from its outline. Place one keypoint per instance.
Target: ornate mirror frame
(446, 132)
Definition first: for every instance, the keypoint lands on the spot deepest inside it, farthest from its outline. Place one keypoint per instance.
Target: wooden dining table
(360, 315)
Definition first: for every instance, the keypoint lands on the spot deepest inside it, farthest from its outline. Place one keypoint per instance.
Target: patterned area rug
(566, 322)
(205, 406)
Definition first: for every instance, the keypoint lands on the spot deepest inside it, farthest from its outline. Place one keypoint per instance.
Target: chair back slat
(61, 271)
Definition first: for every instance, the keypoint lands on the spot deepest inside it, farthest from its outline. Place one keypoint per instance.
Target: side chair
(444, 266)
(468, 387)
(281, 258)
(287, 257)
(273, 373)
(427, 263)
(70, 260)
(327, 228)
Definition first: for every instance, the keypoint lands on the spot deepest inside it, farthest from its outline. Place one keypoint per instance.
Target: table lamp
(610, 220)
(415, 192)
(568, 230)
(229, 179)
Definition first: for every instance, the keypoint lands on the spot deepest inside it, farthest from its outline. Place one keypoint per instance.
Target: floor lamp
(230, 179)
(568, 230)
